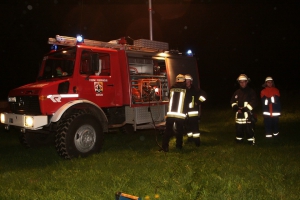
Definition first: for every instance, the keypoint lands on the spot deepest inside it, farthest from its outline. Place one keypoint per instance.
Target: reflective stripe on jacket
(271, 105)
(176, 104)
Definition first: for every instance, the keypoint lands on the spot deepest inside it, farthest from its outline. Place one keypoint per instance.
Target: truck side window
(105, 65)
(85, 66)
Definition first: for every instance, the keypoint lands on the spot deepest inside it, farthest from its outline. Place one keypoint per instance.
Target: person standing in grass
(193, 98)
(271, 107)
(175, 114)
(243, 101)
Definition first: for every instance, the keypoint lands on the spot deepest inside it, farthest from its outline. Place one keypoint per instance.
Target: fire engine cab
(87, 87)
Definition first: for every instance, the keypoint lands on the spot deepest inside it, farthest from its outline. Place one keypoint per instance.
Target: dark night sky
(228, 38)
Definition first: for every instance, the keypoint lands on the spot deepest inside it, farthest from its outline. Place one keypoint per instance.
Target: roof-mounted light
(54, 47)
(79, 39)
(189, 53)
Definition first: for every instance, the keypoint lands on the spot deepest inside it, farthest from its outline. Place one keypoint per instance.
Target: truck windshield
(58, 64)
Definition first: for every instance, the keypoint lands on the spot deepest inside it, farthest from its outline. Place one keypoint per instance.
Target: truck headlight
(12, 99)
(2, 118)
(28, 121)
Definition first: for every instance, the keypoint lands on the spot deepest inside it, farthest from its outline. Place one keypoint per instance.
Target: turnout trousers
(245, 129)
(192, 129)
(271, 126)
(179, 123)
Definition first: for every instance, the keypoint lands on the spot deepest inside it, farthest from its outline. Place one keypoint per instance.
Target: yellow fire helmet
(269, 78)
(243, 77)
(188, 77)
(180, 78)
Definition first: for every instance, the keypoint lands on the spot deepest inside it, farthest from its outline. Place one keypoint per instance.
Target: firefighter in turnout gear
(175, 114)
(243, 101)
(271, 107)
(193, 98)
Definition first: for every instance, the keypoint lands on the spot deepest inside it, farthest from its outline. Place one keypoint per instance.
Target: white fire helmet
(269, 78)
(242, 77)
(188, 77)
(180, 78)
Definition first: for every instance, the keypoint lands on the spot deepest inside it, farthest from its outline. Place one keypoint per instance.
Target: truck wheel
(79, 135)
(30, 139)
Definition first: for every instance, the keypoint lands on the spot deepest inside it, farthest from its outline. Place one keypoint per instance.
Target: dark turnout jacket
(243, 99)
(192, 99)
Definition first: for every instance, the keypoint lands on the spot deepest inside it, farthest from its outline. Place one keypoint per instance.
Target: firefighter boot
(163, 150)
(164, 146)
(190, 139)
(251, 141)
(269, 135)
(197, 141)
(276, 137)
(239, 140)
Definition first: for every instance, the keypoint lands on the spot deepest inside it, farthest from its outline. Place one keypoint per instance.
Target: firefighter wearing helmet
(243, 101)
(175, 114)
(193, 98)
(271, 107)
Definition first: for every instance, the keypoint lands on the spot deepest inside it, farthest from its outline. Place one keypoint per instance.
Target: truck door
(182, 65)
(96, 85)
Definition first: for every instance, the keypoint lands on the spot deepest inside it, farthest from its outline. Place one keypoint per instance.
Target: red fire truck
(86, 88)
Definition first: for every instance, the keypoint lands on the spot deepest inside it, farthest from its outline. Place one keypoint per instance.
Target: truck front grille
(26, 105)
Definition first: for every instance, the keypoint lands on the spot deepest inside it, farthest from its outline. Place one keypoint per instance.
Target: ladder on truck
(139, 45)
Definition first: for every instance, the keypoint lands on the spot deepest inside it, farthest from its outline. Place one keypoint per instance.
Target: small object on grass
(124, 196)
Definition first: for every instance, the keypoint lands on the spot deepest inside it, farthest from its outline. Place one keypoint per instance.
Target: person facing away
(175, 114)
(271, 107)
(193, 98)
(243, 101)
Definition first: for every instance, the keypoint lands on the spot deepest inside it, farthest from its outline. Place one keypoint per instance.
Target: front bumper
(24, 121)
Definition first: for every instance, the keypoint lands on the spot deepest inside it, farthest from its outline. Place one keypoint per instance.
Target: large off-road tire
(32, 139)
(79, 134)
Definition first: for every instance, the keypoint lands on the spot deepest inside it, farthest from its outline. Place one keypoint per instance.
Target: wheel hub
(85, 138)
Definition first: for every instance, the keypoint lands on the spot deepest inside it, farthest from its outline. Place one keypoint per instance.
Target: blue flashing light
(79, 39)
(189, 53)
(54, 47)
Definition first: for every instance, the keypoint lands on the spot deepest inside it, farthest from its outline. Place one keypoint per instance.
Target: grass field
(130, 163)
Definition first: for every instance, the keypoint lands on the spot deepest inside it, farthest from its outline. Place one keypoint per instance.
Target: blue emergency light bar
(54, 47)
